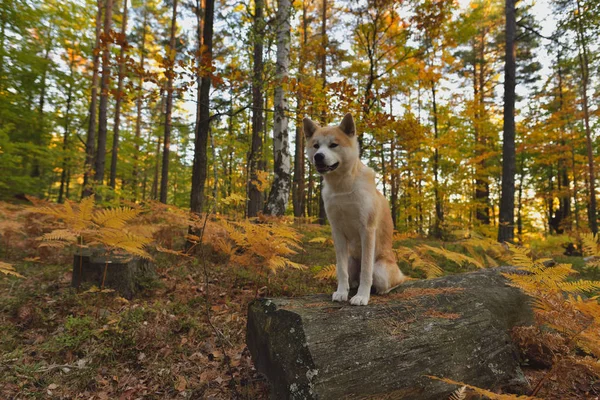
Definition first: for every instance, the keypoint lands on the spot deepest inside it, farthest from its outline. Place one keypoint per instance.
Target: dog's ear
(347, 125)
(310, 127)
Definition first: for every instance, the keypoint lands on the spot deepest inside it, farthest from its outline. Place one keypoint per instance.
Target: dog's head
(331, 148)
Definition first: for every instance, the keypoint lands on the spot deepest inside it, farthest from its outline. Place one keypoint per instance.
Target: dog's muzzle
(324, 168)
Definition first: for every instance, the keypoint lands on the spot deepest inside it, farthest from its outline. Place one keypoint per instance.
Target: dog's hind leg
(386, 276)
(354, 272)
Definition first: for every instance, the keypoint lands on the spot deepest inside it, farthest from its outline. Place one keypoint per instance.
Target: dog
(360, 218)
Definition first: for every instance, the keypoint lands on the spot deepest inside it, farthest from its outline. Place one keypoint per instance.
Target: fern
(455, 257)
(115, 218)
(590, 244)
(415, 260)
(268, 243)
(8, 269)
(326, 272)
(85, 227)
(459, 394)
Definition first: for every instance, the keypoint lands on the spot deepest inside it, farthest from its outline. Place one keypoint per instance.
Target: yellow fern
(590, 244)
(115, 218)
(455, 257)
(8, 269)
(326, 272)
(430, 269)
(459, 394)
(62, 235)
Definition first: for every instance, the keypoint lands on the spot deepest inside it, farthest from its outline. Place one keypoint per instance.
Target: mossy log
(127, 275)
(457, 327)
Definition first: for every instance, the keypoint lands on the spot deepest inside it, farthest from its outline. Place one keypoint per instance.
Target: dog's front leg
(366, 268)
(341, 254)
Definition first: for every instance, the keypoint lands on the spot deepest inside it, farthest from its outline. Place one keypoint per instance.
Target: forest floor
(176, 340)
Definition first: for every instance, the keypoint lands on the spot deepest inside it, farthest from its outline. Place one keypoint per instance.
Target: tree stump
(456, 326)
(127, 275)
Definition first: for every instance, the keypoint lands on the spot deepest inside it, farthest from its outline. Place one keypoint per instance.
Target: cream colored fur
(360, 218)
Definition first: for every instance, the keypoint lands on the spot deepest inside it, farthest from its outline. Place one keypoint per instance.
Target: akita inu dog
(361, 221)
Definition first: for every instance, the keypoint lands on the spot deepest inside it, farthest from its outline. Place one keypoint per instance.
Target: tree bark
(457, 326)
(255, 155)
(67, 128)
(170, 72)
(203, 120)
(439, 211)
(280, 189)
(506, 231)
(90, 144)
(104, 92)
(116, 127)
(139, 104)
(298, 185)
(584, 68)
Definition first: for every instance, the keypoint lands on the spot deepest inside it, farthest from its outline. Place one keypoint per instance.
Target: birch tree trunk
(506, 231)
(280, 189)
(115, 144)
(104, 89)
(164, 179)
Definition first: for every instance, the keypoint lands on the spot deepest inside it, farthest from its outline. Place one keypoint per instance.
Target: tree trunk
(203, 125)
(255, 155)
(457, 326)
(584, 68)
(298, 185)
(506, 231)
(90, 144)
(116, 127)
(104, 92)
(67, 128)
(280, 189)
(139, 104)
(439, 211)
(482, 187)
(170, 73)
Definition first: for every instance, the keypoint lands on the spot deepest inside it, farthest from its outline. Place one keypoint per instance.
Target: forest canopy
(199, 104)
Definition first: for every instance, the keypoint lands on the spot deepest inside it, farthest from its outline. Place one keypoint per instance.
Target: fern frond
(115, 217)
(520, 256)
(63, 235)
(579, 286)
(491, 262)
(123, 240)
(455, 257)
(86, 207)
(459, 394)
(8, 269)
(590, 244)
(278, 262)
(484, 392)
(326, 272)
(431, 269)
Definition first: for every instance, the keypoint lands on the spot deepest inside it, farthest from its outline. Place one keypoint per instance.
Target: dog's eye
(333, 145)
(316, 145)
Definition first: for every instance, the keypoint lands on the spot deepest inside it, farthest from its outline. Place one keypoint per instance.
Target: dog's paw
(359, 300)
(340, 296)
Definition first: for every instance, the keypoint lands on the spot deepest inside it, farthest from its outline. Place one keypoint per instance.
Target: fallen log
(455, 326)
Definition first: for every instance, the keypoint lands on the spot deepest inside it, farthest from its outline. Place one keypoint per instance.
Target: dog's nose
(319, 157)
